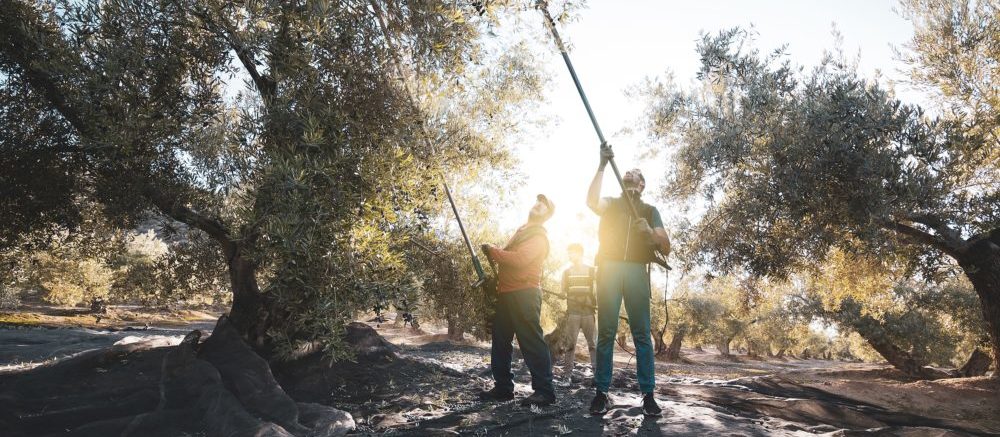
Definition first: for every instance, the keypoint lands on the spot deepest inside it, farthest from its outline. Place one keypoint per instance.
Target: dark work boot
(496, 395)
(600, 405)
(539, 399)
(649, 406)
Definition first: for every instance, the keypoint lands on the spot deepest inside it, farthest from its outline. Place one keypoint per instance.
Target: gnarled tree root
(220, 387)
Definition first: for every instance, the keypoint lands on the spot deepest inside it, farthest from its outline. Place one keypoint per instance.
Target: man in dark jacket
(519, 306)
(627, 245)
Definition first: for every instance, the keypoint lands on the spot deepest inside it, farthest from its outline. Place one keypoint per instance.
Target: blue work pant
(628, 281)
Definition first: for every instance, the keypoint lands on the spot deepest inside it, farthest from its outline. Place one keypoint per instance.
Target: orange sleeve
(523, 255)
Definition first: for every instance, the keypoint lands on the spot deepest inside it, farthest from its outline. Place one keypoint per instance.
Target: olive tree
(291, 133)
(792, 162)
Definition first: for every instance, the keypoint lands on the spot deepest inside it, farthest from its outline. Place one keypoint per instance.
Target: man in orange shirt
(519, 306)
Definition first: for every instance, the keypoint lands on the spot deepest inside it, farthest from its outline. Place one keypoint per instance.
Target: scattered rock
(325, 421)
(368, 344)
(384, 421)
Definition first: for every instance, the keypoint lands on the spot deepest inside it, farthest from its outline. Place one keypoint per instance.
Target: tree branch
(992, 238)
(921, 237)
(23, 38)
(265, 84)
(23, 34)
(945, 232)
(175, 209)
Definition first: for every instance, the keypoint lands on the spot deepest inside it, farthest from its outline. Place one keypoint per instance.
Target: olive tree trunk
(977, 364)
(982, 266)
(723, 347)
(455, 330)
(979, 258)
(894, 355)
(673, 352)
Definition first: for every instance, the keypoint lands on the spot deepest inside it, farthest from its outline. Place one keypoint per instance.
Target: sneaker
(649, 406)
(600, 405)
(539, 399)
(495, 394)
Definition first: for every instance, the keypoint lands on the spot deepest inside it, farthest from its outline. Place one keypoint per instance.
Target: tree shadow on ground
(423, 390)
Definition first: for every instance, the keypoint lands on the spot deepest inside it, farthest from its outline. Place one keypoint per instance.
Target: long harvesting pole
(476, 264)
(551, 24)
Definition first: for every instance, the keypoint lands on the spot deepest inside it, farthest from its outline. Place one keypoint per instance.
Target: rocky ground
(707, 395)
(418, 383)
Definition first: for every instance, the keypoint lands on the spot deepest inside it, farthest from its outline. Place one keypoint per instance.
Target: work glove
(606, 154)
(642, 226)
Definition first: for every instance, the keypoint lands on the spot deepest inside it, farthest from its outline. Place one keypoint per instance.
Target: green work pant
(618, 280)
(574, 324)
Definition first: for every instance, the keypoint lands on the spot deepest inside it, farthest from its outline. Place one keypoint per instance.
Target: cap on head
(549, 206)
(634, 179)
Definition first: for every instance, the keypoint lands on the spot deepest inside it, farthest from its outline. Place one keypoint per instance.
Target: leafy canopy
(793, 162)
(281, 130)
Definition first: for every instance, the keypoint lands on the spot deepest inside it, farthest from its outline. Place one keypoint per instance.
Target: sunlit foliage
(794, 162)
(292, 134)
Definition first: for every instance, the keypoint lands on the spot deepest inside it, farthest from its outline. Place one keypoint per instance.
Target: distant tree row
(845, 310)
(116, 267)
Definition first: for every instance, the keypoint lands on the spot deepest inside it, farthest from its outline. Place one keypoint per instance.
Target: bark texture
(982, 267)
(673, 351)
(977, 365)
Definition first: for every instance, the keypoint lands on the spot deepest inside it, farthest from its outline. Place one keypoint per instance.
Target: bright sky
(616, 44)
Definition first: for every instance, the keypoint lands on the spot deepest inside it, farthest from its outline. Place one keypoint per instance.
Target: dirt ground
(116, 318)
(35, 335)
(712, 395)
(419, 383)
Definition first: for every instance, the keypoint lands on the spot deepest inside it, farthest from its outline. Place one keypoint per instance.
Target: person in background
(581, 304)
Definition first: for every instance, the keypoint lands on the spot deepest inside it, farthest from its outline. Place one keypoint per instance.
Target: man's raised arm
(594, 201)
